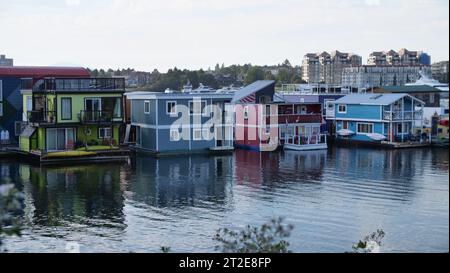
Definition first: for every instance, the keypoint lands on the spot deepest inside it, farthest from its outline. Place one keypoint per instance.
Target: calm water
(333, 198)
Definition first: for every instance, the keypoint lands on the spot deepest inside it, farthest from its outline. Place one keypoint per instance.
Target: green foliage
(11, 205)
(254, 74)
(366, 245)
(269, 238)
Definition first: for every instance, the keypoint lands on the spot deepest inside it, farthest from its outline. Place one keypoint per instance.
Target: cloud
(148, 34)
(373, 2)
(72, 3)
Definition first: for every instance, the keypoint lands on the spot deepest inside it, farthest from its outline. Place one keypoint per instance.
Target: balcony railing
(89, 84)
(41, 117)
(402, 115)
(305, 139)
(297, 118)
(96, 117)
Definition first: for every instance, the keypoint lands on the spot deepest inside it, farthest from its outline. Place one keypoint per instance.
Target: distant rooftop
(410, 89)
(39, 72)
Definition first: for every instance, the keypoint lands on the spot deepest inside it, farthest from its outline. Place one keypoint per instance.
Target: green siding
(78, 104)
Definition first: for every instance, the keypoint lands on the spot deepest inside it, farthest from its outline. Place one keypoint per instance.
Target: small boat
(376, 136)
(345, 132)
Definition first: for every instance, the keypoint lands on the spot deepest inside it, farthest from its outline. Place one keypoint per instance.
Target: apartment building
(327, 67)
(402, 57)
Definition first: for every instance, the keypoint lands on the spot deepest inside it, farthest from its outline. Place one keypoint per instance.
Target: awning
(28, 131)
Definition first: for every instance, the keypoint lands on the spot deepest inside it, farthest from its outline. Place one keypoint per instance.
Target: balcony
(297, 118)
(402, 115)
(41, 117)
(90, 84)
(96, 117)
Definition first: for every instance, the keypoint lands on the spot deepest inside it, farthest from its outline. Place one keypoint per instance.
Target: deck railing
(402, 115)
(305, 139)
(41, 117)
(96, 116)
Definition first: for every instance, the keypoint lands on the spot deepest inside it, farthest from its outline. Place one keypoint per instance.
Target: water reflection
(75, 194)
(182, 181)
(340, 191)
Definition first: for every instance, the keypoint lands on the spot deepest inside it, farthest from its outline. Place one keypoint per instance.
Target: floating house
(72, 114)
(379, 118)
(266, 120)
(12, 80)
(181, 122)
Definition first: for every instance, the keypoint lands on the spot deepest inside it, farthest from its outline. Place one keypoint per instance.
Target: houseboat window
(60, 139)
(93, 104)
(174, 135)
(29, 103)
(267, 129)
(431, 98)
(330, 105)
(245, 112)
(197, 107)
(146, 107)
(342, 108)
(117, 108)
(207, 134)
(315, 130)
(197, 134)
(66, 108)
(365, 128)
(171, 107)
(345, 125)
(104, 133)
(267, 110)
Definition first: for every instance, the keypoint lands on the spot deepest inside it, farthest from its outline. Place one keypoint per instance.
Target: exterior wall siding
(359, 111)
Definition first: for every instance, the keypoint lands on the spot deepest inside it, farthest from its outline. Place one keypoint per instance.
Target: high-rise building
(5, 61)
(402, 57)
(327, 68)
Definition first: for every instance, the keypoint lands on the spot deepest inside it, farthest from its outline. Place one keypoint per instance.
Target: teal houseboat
(379, 118)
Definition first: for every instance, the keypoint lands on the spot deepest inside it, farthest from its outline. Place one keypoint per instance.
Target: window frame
(62, 109)
(104, 128)
(146, 102)
(339, 109)
(202, 110)
(170, 135)
(194, 130)
(174, 107)
(370, 125)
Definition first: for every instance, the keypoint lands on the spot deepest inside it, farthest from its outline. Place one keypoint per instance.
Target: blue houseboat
(180, 122)
(379, 118)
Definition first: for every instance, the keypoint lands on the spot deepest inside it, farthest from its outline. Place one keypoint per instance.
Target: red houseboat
(266, 120)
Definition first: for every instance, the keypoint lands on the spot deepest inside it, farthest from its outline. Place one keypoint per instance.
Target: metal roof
(250, 89)
(373, 99)
(410, 89)
(39, 72)
(176, 95)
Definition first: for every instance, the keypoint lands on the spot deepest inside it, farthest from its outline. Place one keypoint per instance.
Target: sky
(193, 34)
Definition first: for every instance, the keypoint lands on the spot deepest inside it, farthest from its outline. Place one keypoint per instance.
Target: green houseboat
(72, 116)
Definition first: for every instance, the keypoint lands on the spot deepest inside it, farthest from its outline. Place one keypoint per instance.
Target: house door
(60, 139)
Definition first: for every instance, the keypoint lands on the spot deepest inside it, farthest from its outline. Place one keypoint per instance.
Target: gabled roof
(373, 99)
(410, 89)
(250, 89)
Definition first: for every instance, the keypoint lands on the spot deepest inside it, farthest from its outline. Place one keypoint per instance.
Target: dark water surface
(334, 198)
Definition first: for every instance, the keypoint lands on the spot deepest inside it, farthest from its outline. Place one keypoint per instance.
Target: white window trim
(362, 123)
(202, 112)
(342, 112)
(177, 133)
(175, 107)
(145, 102)
(104, 128)
(196, 130)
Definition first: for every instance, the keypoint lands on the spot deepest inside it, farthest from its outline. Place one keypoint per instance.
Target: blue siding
(355, 111)
(12, 105)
